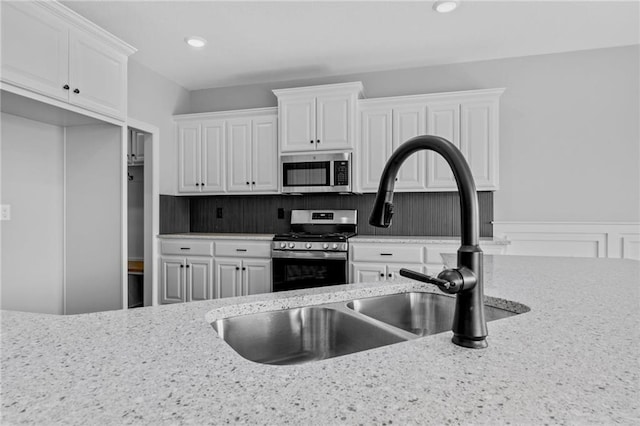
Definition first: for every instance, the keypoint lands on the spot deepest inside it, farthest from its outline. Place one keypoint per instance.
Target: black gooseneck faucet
(469, 325)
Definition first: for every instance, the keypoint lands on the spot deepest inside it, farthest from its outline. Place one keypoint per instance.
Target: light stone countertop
(572, 359)
(420, 240)
(222, 236)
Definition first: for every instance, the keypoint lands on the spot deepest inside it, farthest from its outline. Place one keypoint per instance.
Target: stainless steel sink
(300, 335)
(422, 314)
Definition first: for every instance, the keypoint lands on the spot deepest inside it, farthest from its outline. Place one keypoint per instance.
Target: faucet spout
(469, 324)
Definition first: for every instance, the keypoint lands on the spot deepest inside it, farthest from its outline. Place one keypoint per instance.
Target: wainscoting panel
(574, 239)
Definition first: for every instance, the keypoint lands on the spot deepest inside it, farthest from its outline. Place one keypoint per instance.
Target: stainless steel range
(316, 251)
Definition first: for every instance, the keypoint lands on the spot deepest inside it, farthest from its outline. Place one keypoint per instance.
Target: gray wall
(569, 136)
(154, 99)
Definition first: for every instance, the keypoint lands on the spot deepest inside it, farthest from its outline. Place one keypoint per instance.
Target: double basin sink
(313, 333)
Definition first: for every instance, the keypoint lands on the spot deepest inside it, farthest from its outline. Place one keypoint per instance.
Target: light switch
(5, 212)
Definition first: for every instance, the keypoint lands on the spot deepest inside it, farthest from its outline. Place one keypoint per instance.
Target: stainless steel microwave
(316, 173)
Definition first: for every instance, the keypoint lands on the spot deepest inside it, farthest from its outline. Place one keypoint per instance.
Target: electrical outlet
(280, 213)
(5, 212)
(219, 213)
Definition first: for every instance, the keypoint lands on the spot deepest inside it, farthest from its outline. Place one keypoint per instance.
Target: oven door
(297, 270)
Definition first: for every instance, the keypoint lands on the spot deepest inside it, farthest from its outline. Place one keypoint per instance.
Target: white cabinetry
(201, 156)
(467, 119)
(49, 50)
(378, 262)
(318, 117)
(135, 148)
(230, 152)
(384, 128)
(186, 271)
(242, 268)
(252, 154)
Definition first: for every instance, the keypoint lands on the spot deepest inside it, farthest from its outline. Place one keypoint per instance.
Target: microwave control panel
(341, 173)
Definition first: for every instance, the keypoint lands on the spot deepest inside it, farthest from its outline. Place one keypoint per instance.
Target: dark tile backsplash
(174, 214)
(432, 213)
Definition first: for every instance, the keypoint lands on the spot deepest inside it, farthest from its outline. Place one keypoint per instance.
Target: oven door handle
(282, 254)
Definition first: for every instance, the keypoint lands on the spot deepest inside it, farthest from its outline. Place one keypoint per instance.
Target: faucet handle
(446, 286)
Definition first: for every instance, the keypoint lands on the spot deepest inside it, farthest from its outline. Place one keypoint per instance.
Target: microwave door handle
(331, 172)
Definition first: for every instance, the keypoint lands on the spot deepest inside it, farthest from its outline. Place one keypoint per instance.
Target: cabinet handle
(185, 248)
(76, 90)
(241, 249)
(386, 254)
(65, 87)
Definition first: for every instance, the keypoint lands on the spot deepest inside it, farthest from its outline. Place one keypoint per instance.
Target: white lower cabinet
(185, 279)
(242, 277)
(371, 272)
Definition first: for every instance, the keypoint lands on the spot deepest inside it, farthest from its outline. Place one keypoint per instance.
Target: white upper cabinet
(467, 119)
(49, 50)
(233, 152)
(318, 117)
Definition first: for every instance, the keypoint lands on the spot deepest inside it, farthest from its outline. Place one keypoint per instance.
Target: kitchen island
(573, 358)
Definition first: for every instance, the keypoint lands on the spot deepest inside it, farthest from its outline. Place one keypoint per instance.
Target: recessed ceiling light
(445, 6)
(195, 41)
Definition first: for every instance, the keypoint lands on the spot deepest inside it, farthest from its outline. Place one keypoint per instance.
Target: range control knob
(292, 245)
(325, 246)
(334, 246)
(308, 245)
(283, 245)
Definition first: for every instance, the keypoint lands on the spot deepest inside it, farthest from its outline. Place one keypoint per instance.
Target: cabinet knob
(253, 183)
(244, 269)
(197, 184)
(65, 87)
(389, 275)
(382, 275)
(247, 183)
(237, 268)
(182, 266)
(318, 141)
(311, 141)
(202, 184)
(76, 90)
(188, 266)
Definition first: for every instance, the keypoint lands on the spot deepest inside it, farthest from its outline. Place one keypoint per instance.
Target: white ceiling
(255, 42)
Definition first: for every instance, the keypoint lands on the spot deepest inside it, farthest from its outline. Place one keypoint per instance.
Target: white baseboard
(574, 239)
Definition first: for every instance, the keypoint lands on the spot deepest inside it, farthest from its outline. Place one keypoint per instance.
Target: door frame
(151, 211)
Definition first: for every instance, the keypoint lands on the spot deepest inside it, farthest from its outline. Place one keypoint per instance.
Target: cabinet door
(256, 276)
(297, 124)
(137, 148)
(212, 165)
(97, 76)
(188, 157)
(444, 121)
(365, 272)
(172, 288)
(198, 272)
(334, 122)
(480, 141)
(393, 270)
(35, 49)
(408, 122)
(264, 154)
(375, 145)
(227, 280)
(239, 155)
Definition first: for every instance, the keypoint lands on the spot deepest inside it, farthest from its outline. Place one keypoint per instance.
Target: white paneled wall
(575, 239)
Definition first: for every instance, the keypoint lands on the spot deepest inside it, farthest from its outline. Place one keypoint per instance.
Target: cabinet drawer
(188, 248)
(243, 249)
(387, 254)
